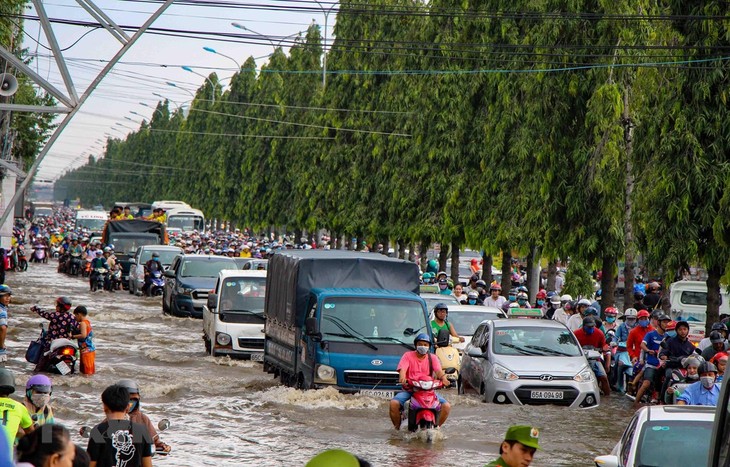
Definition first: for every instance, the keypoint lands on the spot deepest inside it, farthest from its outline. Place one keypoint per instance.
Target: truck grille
(250, 343)
(371, 378)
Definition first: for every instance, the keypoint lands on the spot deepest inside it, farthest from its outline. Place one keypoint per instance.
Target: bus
(185, 219)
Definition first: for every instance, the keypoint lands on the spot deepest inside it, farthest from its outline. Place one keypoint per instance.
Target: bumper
(187, 307)
(572, 394)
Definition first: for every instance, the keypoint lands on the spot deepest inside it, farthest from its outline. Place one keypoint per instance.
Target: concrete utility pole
(70, 102)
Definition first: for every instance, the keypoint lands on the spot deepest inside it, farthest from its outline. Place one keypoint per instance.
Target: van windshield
(95, 225)
(243, 294)
(371, 318)
(186, 223)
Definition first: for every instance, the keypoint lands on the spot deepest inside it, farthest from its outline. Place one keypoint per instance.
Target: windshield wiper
(395, 339)
(410, 331)
(549, 350)
(348, 330)
(260, 314)
(343, 334)
(520, 349)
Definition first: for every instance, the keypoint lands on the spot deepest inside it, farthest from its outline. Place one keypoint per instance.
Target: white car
(433, 299)
(144, 254)
(664, 435)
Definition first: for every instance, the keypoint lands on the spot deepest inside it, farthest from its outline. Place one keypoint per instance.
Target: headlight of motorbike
(585, 375)
(223, 339)
(326, 374)
(503, 374)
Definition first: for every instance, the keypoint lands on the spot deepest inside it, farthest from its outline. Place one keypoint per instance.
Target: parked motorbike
(448, 356)
(98, 279)
(156, 285)
(22, 259)
(423, 409)
(61, 355)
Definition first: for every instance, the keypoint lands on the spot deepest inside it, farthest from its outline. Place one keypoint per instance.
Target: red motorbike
(423, 409)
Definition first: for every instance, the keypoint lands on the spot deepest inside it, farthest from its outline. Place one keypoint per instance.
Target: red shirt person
(636, 335)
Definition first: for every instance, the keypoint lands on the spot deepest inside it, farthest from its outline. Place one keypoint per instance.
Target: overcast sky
(152, 61)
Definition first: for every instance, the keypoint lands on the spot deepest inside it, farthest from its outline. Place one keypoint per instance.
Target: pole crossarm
(35, 108)
(38, 79)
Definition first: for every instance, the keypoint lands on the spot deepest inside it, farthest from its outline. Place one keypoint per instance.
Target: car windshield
(243, 294)
(95, 225)
(186, 223)
(433, 301)
(166, 256)
(350, 318)
(465, 323)
(675, 442)
(536, 341)
(205, 268)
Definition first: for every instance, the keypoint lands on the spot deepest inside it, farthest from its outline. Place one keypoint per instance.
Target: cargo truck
(341, 319)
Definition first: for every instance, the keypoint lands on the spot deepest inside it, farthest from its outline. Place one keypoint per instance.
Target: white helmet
(566, 298)
(584, 301)
(630, 312)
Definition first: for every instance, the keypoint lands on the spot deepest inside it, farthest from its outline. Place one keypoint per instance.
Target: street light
(170, 83)
(212, 89)
(213, 51)
(326, 12)
(275, 45)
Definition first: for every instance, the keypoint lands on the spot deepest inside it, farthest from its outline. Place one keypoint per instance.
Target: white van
(185, 219)
(233, 318)
(689, 301)
(93, 221)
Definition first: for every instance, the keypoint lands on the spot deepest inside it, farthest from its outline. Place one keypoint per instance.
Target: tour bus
(185, 219)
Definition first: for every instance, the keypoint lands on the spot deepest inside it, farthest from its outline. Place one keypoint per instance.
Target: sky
(128, 93)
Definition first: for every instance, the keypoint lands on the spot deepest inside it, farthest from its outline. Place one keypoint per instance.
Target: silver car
(526, 361)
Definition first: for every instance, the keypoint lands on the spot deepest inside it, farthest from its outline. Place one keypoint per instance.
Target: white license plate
(378, 393)
(63, 368)
(257, 357)
(546, 394)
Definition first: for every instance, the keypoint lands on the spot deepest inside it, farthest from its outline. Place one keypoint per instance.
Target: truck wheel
(301, 383)
(208, 346)
(165, 308)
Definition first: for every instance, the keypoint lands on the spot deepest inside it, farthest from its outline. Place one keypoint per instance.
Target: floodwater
(227, 412)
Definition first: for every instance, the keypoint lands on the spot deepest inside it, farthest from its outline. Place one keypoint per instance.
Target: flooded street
(226, 412)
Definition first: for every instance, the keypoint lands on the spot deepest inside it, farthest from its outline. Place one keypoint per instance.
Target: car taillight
(68, 351)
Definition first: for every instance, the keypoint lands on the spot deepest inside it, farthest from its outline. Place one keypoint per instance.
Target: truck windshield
(95, 225)
(205, 268)
(128, 245)
(371, 318)
(243, 294)
(186, 223)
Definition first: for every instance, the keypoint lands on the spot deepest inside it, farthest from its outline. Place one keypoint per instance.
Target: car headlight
(326, 374)
(503, 374)
(223, 339)
(186, 291)
(585, 375)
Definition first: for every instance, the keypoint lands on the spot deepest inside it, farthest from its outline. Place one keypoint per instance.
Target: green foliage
(578, 280)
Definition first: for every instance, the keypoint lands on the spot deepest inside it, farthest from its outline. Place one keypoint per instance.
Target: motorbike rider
(415, 365)
(717, 344)
(576, 319)
(705, 391)
(652, 297)
(443, 285)
(540, 299)
(628, 322)
(720, 361)
(674, 349)
(589, 336)
(495, 298)
(14, 414)
(553, 306)
(522, 300)
(687, 374)
(5, 294)
(136, 415)
(441, 321)
(721, 328)
(97, 263)
(651, 345)
(150, 267)
(62, 326)
(562, 314)
(472, 298)
(511, 298)
(38, 391)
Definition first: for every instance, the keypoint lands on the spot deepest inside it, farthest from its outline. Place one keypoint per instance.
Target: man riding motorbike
(416, 365)
(136, 415)
(591, 337)
(440, 321)
(150, 267)
(62, 326)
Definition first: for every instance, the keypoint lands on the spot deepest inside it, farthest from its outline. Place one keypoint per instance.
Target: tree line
(588, 130)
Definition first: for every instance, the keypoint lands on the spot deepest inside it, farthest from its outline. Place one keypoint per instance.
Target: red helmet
(541, 294)
(642, 314)
(495, 287)
(671, 326)
(611, 311)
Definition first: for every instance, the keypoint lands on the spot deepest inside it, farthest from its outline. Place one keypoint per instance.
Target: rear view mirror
(169, 273)
(606, 461)
(132, 261)
(312, 328)
(476, 352)
(212, 301)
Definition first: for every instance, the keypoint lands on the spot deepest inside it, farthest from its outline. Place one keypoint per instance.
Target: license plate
(378, 393)
(546, 394)
(257, 357)
(63, 368)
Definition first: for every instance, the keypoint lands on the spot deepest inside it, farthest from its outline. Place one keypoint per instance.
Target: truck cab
(233, 317)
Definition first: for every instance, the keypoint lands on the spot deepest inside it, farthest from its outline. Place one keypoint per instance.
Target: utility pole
(629, 258)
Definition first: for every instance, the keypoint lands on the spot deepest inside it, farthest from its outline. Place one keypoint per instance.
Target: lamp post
(275, 45)
(171, 84)
(154, 109)
(326, 12)
(213, 51)
(212, 89)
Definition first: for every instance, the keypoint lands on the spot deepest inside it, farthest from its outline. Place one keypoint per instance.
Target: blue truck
(341, 319)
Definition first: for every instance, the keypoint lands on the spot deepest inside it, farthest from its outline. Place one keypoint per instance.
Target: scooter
(75, 266)
(115, 279)
(22, 261)
(62, 356)
(39, 254)
(156, 285)
(423, 409)
(448, 356)
(98, 278)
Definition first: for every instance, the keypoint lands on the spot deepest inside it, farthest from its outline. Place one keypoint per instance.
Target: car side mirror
(606, 461)
(212, 301)
(169, 273)
(476, 352)
(311, 327)
(132, 261)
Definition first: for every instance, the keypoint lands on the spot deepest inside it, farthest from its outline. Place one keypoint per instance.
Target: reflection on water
(226, 412)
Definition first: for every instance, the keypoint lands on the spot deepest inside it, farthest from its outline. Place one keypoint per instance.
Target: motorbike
(156, 284)
(64, 263)
(55, 252)
(98, 279)
(423, 409)
(115, 279)
(62, 356)
(39, 253)
(448, 356)
(22, 259)
(75, 265)
(162, 425)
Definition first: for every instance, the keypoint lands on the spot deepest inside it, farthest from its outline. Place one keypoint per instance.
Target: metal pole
(67, 119)
(326, 12)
